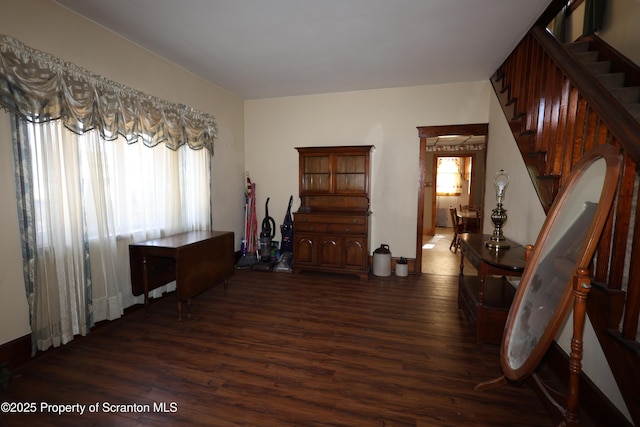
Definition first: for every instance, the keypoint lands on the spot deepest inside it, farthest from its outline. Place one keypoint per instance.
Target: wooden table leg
(145, 285)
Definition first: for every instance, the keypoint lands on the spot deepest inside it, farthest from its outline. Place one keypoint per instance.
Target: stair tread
(587, 56)
(578, 46)
(599, 67)
(611, 80)
(626, 94)
(634, 109)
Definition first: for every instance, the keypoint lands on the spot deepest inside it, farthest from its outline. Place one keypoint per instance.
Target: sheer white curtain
(87, 199)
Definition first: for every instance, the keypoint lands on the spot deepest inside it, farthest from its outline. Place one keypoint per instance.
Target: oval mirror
(567, 241)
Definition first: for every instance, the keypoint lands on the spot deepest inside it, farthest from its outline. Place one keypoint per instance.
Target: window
(449, 176)
(83, 201)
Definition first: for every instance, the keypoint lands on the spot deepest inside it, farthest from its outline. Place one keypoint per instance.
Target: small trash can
(382, 261)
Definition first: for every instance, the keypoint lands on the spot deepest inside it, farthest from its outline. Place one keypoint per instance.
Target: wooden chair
(458, 228)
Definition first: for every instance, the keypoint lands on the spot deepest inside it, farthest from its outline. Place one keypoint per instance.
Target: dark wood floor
(280, 349)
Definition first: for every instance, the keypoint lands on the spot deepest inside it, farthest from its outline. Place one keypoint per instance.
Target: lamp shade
(501, 182)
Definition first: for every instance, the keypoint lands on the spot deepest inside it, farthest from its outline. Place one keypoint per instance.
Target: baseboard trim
(16, 353)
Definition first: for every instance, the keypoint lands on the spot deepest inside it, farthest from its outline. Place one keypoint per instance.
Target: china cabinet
(331, 228)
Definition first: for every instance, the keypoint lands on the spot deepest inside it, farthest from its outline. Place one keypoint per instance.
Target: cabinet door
(304, 250)
(351, 174)
(315, 174)
(355, 253)
(329, 252)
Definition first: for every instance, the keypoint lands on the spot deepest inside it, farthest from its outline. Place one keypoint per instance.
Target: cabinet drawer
(472, 257)
(299, 218)
(310, 226)
(348, 228)
(350, 220)
(330, 219)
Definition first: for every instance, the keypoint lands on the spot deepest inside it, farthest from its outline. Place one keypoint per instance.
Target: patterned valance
(463, 147)
(41, 87)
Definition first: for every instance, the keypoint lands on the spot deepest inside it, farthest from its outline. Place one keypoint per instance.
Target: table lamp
(498, 214)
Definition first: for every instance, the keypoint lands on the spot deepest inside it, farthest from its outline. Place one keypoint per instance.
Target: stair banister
(620, 122)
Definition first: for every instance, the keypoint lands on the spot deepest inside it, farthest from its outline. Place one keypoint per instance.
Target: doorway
(461, 141)
(454, 185)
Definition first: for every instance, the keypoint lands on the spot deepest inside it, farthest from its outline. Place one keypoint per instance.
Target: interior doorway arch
(427, 180)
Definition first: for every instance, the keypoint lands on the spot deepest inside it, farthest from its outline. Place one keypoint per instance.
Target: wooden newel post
(581, 288)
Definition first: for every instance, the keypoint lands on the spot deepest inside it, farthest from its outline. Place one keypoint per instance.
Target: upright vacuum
(266, 237)
(287, 230)
(286, 246)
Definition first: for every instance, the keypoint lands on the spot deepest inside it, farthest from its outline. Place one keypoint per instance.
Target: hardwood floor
(282, 349)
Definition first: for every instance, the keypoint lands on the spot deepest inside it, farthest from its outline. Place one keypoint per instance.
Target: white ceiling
(271, 48)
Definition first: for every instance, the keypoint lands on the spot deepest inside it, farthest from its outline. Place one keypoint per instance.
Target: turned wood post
(581, 288)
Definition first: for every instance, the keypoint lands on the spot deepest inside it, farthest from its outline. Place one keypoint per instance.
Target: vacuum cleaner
(266, 236)
(286, 246)
(248, 246)
(287, 230)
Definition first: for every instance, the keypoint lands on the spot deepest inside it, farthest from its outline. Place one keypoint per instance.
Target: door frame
(425, 132)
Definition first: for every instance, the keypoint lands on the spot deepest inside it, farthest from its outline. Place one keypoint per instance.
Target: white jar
(382, 261)
(402, 267)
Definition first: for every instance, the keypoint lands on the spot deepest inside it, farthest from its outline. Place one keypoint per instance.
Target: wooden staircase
(617, 74)
(562, 100)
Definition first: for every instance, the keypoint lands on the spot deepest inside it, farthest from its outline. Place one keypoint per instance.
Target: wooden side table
(485, 299)
(196, 260)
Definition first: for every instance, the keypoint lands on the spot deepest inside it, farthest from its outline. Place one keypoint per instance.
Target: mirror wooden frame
(546, 239)
(562, 288)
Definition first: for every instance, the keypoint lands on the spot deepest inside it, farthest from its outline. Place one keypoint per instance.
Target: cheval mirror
(557, 269)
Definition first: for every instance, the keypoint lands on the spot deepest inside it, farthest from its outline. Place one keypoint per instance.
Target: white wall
(44, 25)
(625, 35)
(385, 118)
(620, 27)
(525, 215)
